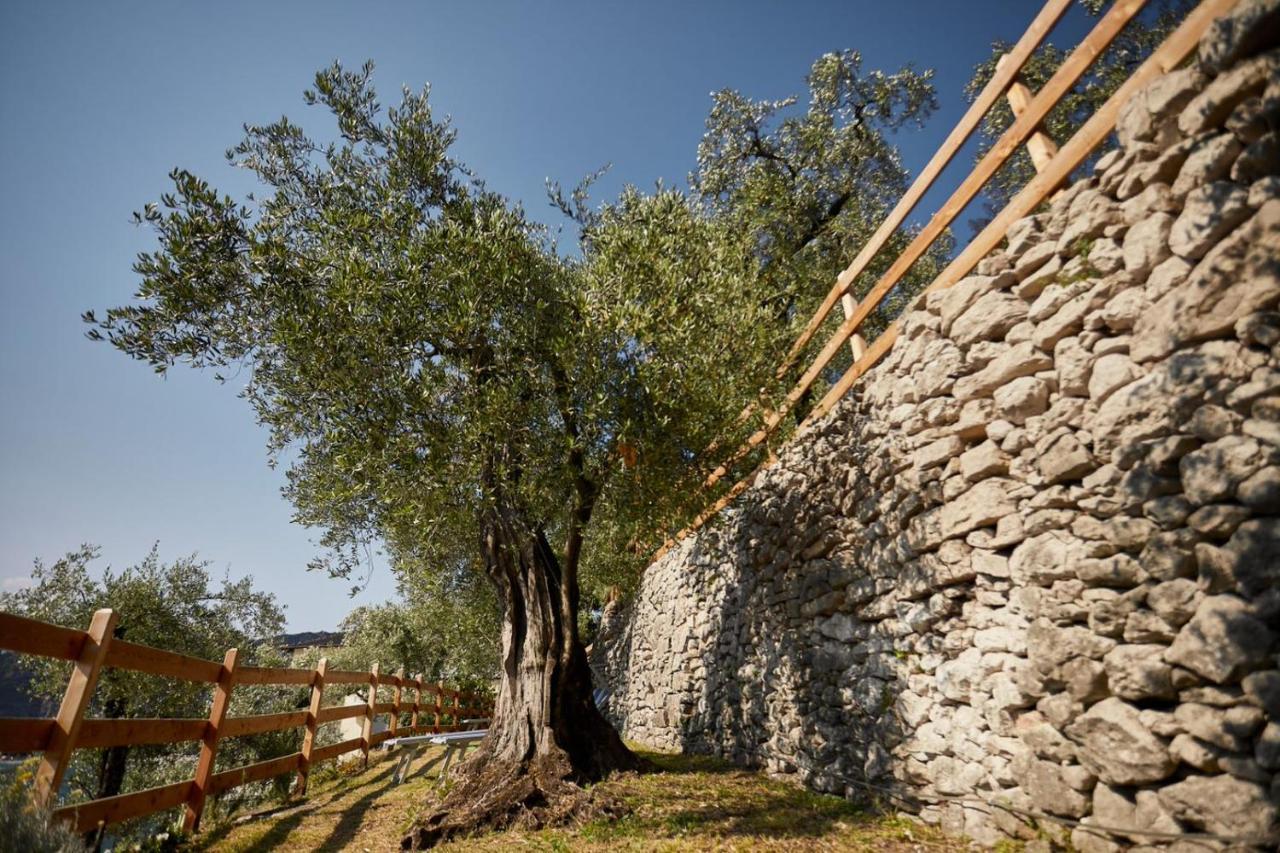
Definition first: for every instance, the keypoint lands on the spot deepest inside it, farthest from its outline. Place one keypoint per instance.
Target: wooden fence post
(457, 707)
(209, 744)
(313, 713)
(75, 701)
(399, 694)
(370, 713)
(417, 701)
(1039, 144)
(439, 704)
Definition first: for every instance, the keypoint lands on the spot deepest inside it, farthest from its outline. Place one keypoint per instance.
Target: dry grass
(692, 803)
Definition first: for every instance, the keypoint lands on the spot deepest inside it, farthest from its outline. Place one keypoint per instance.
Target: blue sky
(99, 101)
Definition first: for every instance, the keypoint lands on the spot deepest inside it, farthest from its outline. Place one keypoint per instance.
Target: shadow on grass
(702, 796)
(353, 813)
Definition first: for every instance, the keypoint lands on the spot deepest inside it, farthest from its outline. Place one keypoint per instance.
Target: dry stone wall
(1033, 559)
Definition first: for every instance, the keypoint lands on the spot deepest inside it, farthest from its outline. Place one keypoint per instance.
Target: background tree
(445, 629)
(175, 606)
(1129, 50)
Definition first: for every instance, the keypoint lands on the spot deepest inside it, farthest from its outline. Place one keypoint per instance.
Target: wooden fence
(95, 649)
(1054, 166)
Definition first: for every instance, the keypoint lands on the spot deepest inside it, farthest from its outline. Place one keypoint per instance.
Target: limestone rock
(1117, 747)
(1021, 398)
(1211, 212)
(1137, 672)
(1222, 641)
(1065, 458)
(1210, 108)
(1111, 372)
(1220, 804)
(1248, 28)
(1147, 243)
(989, 318)
(1237, 277)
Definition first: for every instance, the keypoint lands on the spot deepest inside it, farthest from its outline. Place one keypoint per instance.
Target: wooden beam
(274, 675)
(1171, 52)
(85, 816)
(371, 711)
(1059, 84)
(439, 709)
(139, 658)
(24, 734)
(75, 702)
(417, 701)
(313, 723)
(1040, 145)
(333, 750)
(342, 712)
(33, 637)
(259, 723)
(201, 785)
(101, 734)
(1017, 57)
(395, 703)
(1179, 44)
(229, 779)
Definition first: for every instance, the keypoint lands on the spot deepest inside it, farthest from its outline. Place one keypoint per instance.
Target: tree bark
(544, 703)
(547, 737)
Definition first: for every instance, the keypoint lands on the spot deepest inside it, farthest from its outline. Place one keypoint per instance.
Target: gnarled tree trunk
(547, 736)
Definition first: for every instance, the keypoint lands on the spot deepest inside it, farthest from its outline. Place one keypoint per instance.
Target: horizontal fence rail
(434, 708)
(1053, 166)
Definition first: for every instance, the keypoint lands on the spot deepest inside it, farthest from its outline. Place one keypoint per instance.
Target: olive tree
(447, 384)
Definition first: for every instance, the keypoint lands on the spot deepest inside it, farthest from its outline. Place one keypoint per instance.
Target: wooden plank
(258, 723)
(201, 785)
(333, 750)
(439, 708)
(124, 655)
(340, 712)
(312, 724)
(228, 779)
(417, 701)
(379, 737)
(24, 734)
(1017, 57)
(1040, 145)
(347, 676)
(100, 734)
(85, 816)
(274, 675)
(396, 702)
(384, 707)
(371, 710)
(1179, 44)
(33, 637)
(75, 701)
(1060, 83)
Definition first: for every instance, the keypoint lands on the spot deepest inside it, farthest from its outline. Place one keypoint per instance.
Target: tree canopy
(445, 382)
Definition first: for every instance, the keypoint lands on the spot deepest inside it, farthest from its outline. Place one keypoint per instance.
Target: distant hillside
(308, 640)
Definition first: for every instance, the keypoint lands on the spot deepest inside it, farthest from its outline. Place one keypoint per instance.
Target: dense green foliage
(424, 352)
(1129, 50)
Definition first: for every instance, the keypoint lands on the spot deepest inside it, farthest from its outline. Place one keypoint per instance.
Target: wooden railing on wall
(442, 709)
(1054, 166)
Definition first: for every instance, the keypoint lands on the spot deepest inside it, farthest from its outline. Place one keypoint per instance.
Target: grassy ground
(693, 803)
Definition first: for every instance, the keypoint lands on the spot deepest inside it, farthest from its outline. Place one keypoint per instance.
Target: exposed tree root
(495, 795)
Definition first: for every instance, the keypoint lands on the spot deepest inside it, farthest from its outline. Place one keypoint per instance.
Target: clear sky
(100, 100)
